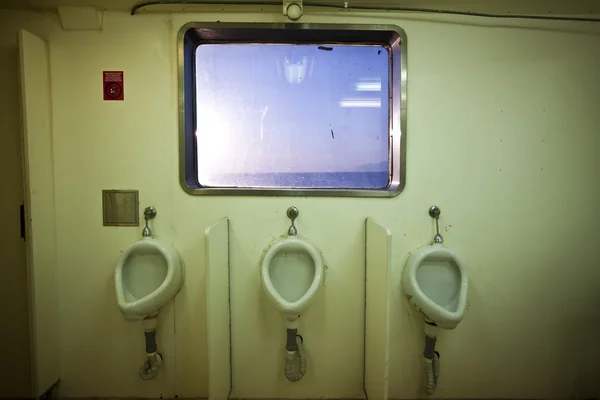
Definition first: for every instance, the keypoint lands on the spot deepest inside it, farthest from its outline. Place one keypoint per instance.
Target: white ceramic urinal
(292, 273)
(148, 275)
(436, 283)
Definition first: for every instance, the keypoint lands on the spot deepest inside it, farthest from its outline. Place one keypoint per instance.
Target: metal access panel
(120, 208)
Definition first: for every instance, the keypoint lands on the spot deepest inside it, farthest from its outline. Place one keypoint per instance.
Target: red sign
(113, 85)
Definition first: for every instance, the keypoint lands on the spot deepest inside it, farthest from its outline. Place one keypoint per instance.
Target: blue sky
(272, 108)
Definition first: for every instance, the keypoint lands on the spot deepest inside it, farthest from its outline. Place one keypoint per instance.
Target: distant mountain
(381, 166)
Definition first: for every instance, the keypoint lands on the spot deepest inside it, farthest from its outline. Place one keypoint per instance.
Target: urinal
(292, 273)
(435, 282)
(148, 275)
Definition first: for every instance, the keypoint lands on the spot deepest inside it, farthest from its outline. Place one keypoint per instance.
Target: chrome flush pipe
(149, 213)
(292, 214)
(434, 212)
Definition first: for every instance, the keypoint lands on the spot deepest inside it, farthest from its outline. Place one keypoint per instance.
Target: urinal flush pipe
(434, 212)
(149, 368)
(150, 341)
(291, 340)
(149, 213)
(429, 351)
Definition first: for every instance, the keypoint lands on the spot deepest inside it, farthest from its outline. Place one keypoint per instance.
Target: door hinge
(22, 218)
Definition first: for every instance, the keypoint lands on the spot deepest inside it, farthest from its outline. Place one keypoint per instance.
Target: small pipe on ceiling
(346, 6)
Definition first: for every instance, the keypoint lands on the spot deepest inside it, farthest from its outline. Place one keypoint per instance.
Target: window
(292, 109)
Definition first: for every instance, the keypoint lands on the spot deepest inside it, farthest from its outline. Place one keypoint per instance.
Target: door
(14, 305)
(38, 173)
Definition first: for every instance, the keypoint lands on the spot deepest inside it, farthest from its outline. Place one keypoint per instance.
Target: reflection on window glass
(292, 116)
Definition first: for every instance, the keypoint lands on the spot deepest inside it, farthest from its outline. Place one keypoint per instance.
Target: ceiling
(540, 7)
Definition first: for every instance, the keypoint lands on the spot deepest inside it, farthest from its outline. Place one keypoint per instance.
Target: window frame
(192, 34)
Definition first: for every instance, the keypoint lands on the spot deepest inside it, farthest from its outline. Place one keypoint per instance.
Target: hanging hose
(436, 366)
(291, 356)
(149, 368)
(432, 364)
(430, 382)
(432, 371)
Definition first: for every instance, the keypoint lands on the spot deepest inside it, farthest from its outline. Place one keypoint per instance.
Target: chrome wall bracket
(149, 213)
(292, 214)
(434, 212)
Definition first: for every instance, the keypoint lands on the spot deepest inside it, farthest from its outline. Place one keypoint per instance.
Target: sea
(316, 180)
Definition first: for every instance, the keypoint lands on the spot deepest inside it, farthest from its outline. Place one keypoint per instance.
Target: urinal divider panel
(378, 254)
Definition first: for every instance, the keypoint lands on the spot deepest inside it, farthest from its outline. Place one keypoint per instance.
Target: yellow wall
(502, 135)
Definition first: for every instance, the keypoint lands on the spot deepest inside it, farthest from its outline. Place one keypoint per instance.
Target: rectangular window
(310, 111)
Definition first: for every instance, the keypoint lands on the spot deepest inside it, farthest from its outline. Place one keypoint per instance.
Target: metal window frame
(192, 34)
